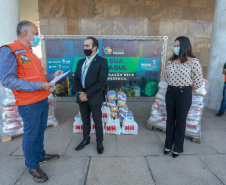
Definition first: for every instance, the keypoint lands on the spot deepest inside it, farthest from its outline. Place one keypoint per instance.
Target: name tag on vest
(25, 61)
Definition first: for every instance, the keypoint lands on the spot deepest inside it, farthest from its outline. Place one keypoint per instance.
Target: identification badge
(25, 59)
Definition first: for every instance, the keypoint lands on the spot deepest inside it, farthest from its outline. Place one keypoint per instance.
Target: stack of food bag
(78, 124)
(117, 104)
(120, 113)
(114, 113)
(193, 123)
(10, 121)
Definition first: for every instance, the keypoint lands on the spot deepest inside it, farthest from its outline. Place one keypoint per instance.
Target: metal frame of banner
(102, 37)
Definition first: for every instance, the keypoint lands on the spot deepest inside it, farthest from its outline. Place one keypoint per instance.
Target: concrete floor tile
(189, 146)
(119, 170)
(68, 125)
(91, 150)
(186, 170)
(56, 142)
(125, 157)
(195, 148)
(143, 144)
(214, 122)
(8, 148)
(216, 163)
(11, 168)
(65, 109)
(61, 121)
(215, 138)
(67, 170)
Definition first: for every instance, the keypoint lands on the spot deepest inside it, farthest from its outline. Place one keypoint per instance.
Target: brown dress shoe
(38, 175)
(49, 158)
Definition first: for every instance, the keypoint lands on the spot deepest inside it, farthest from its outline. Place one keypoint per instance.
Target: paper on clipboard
(57, 78)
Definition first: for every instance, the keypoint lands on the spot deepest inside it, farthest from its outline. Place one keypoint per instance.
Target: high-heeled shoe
(166, 152)
(175, 155)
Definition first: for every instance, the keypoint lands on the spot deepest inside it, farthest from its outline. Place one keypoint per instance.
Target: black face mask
(88, 52)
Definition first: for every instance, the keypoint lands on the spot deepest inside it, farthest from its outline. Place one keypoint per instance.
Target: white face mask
(34, 42)
(176, 50)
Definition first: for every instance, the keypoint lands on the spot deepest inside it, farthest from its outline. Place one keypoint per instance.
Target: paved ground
(127, 159)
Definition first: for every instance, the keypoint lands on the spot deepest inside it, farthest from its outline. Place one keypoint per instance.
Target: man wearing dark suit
(90, 80)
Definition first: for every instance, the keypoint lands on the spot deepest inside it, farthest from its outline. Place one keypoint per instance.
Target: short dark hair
(23, 25)
(185, 50)
(95, 42)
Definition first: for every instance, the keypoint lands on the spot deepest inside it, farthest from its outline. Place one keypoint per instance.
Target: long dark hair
(185, 50)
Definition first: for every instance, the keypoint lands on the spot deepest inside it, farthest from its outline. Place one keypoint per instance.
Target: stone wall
(192, 18)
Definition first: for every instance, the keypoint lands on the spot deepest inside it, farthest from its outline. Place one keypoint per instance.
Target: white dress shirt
(85, 68)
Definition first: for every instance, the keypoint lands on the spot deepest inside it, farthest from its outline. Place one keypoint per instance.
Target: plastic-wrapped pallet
(158, 112)
(193, 122)
(10, 121)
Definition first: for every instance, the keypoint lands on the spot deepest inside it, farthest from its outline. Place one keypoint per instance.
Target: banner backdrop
(134, 65)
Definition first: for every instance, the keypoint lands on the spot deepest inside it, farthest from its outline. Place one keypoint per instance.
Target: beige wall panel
(105, 27)
(175, 13)
(121, 27)
(96, 10)
(180, 29)
(58, 26)
(166, 28)
(112, 10)
(88, 27)
(153, 28)
(207, 29)
(72, 27)
(202, 44)
(173, 18)
(195, 29)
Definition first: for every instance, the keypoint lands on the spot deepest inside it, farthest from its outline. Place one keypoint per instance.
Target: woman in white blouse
(183, 75)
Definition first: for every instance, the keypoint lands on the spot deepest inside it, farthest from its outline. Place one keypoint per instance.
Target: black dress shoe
(82, 144)
(219, 114)
(100, 148)
(175, 155)
(166, 152)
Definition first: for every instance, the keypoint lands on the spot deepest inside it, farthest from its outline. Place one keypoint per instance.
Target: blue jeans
(34, 117)
(223, 102)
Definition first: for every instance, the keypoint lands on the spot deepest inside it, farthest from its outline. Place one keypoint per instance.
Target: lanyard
(85, 67)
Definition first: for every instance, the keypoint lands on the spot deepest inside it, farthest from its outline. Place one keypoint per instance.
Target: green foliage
(151, 88)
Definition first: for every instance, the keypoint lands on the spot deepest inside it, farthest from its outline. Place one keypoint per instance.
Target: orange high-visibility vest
(29, 68)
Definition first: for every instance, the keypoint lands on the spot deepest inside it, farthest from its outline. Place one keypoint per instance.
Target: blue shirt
(8, 73)
(85, 68)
